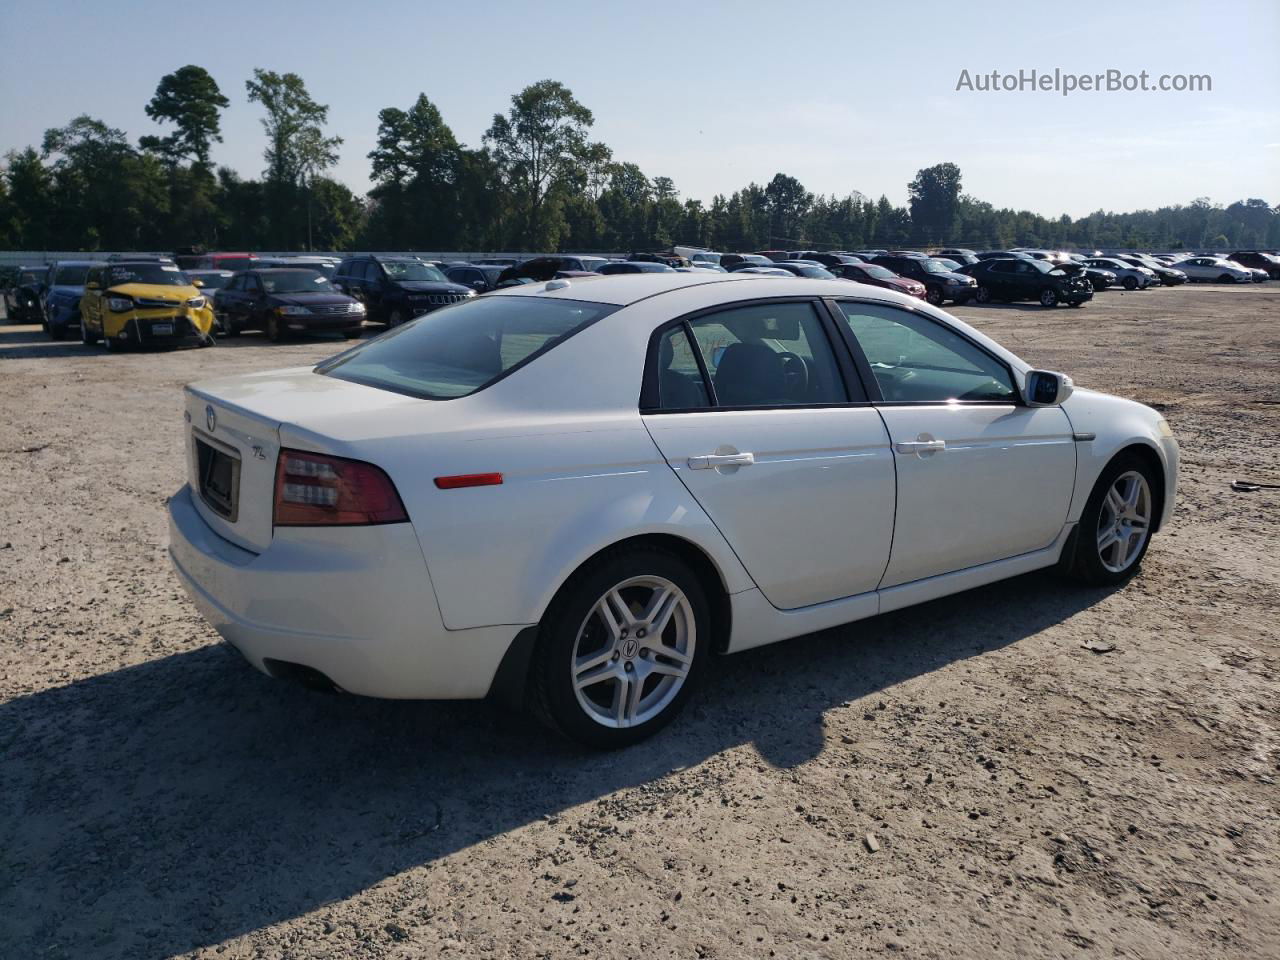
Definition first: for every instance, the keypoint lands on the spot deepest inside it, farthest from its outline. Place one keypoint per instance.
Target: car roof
(622, 289)
(75, 263)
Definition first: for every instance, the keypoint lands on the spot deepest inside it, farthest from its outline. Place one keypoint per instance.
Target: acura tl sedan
(575, 494)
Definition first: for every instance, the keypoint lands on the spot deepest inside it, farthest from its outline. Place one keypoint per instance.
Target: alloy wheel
(633, 652)
(1124, 522)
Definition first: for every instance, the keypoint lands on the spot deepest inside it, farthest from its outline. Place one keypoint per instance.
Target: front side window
(768, 354)
(463, 348)
(70, 276)
(915, 360)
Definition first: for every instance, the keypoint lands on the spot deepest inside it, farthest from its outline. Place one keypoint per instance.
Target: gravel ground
(963, 779)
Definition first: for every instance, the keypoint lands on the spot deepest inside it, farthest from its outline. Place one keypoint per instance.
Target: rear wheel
(1115, 527)
(1131, 283)
(1226, 278)
(621, 647)
(1048, 297)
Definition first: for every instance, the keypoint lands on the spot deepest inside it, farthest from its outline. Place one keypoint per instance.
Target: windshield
(70, 276)
(949, 264)
(413, 270)
(879, 273)
(295, 281)
(463, 348)
(233, 263)
(933, 266)
(159, 274)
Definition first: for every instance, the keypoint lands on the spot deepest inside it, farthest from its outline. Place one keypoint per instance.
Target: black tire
(1131, 283)
(1048, 297)
(1226, 278)
(1075, 303)
(55, 332)
(550, 676)
(394, 318)
(933, 294)
(274, 333)
(1087, 564)
(983, 295)
(87, 336)
(351, 334)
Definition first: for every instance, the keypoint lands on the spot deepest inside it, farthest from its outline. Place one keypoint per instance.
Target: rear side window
(464, 348)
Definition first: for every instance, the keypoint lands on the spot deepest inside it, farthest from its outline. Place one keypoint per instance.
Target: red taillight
(314, 490)
(469, 480)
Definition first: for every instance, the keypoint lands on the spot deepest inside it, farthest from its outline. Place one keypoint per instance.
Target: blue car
(62, 298)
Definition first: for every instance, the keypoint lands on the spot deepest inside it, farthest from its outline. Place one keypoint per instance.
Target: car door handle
(920, 446)
(712, 460)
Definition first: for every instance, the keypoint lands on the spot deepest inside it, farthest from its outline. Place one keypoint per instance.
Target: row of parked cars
(190, 298)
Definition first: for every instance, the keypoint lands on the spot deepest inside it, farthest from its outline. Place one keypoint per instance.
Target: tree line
(537, 181)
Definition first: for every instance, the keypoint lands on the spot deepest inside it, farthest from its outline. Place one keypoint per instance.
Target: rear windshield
(464, 348)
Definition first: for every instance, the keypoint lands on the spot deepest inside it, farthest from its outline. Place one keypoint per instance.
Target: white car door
(981, 476)
(769, 429)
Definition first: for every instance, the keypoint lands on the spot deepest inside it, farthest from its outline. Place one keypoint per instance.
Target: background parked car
(757, 270)
(546, 268)
(1215, 270)
(480, 277)
(62, 298)
(1041, 280)
(22, 300)
(730, 260)
(287, 301)
(397, 289)
(220, 261)
(1127, 275)
(878, 276)
(961, 255)
(1003, 255)
(325, 266)
(143, 302)
(1257, 260)
(940, 284)
(1168, 276)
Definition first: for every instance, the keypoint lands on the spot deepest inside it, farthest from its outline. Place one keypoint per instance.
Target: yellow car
(143, 302)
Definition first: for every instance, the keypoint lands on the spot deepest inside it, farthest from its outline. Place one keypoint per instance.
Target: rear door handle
(712, 460)
(920, 446)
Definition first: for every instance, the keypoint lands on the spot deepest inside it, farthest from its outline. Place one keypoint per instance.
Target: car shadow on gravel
(173, 805)
(34, 342)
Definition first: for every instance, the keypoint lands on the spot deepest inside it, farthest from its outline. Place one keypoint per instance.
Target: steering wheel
(795, 373)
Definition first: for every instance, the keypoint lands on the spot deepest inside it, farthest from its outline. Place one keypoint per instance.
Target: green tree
(188, 98)
(29, 209)
(416, 168)
(537, 145)
(788, 202)
(297, 150)
(935, 201)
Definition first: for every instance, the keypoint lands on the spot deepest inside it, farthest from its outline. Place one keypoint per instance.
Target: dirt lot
(1027, 797)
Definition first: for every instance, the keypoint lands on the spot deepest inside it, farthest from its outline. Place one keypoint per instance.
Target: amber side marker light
(469, 480)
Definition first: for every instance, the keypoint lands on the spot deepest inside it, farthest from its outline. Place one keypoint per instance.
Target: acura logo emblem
(629, 649)
(210, 418)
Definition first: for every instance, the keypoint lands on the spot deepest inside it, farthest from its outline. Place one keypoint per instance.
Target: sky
(843, 96)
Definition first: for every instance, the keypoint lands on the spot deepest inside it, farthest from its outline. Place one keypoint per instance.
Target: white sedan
(1215, 269)
(576, 493)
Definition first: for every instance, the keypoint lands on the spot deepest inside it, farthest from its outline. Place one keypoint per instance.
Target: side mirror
(478, 285)
(92, 286)
(1044, 388)
(197, 283)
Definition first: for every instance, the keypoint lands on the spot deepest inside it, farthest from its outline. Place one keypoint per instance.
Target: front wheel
(621, 647)
(983, 295)
(395, 318)
(1115, 527)
(934, 295)
(274, 333)
(1131, 283)
(1048, 297)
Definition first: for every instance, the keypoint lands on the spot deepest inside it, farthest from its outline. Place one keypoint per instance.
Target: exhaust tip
(301, 674)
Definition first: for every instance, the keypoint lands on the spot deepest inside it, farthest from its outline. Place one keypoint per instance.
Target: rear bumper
(354, 603)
